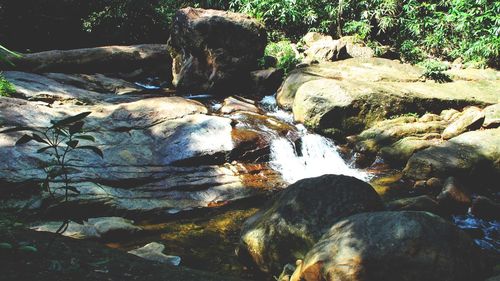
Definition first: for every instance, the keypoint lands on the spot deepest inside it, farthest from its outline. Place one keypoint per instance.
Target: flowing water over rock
(311, 155)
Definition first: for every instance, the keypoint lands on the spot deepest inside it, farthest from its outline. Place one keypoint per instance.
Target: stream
(205, 239)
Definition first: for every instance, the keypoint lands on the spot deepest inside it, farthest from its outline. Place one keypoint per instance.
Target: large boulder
(349, 95)
(392, 246)
(472, 155)
(163, 154)
(214, 51)
(286, 229)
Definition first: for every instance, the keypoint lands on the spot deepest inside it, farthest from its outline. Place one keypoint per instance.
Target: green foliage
(59, 140)
(434, 69)
(284, 53)
(292, 17)
(6, 88)
(468, 29)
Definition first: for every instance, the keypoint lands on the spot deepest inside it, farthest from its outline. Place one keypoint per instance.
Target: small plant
(6, 88)
(59, 140)
(434, 70)
(285, 55)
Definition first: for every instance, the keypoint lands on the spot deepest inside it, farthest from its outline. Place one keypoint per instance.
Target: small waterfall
(314, 156)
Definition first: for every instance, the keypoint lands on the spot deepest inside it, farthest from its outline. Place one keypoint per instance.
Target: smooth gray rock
(103, 227)
(154, 252)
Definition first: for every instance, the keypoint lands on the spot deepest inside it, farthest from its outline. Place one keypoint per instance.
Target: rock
(485, 208)
(161, 155)
(75, 89)
(423, 203)
(399, 152)
(492, 116)
(454, 198)
(347, 96)
(434, 183)
(286, 229)
(450, 115)
(390, 246)
(473, 155)
(356, 49)
(324, 48)
(113, 227)
(153, 59)
(420, 184)
(266, 82)
(471, 119)
(236, 103)
(214, 51)
(400, 137)
(429, 117)
(104, 227)
(154, 252)
(312, 37)
(327, 49)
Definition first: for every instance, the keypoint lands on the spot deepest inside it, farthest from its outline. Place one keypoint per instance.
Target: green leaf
(72, 143)
(70, 120)
(85, 137)
(19, 129)
(43, 149)
(93, 148)
(24, 139)
(76, 128)
(38, 138)
(74, 189)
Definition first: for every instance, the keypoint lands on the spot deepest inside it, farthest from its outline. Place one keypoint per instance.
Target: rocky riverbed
(352, 168)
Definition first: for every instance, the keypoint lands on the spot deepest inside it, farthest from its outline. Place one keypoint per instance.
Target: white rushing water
(315, 156)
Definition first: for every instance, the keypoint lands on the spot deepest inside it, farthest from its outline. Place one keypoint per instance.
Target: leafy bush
(292, 17)
(285, 55)
(469, 29)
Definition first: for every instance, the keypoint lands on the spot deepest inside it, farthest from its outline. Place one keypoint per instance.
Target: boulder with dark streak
(214, 51)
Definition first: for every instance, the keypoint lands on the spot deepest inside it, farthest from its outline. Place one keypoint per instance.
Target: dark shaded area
(70, 259)
(38, 25)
